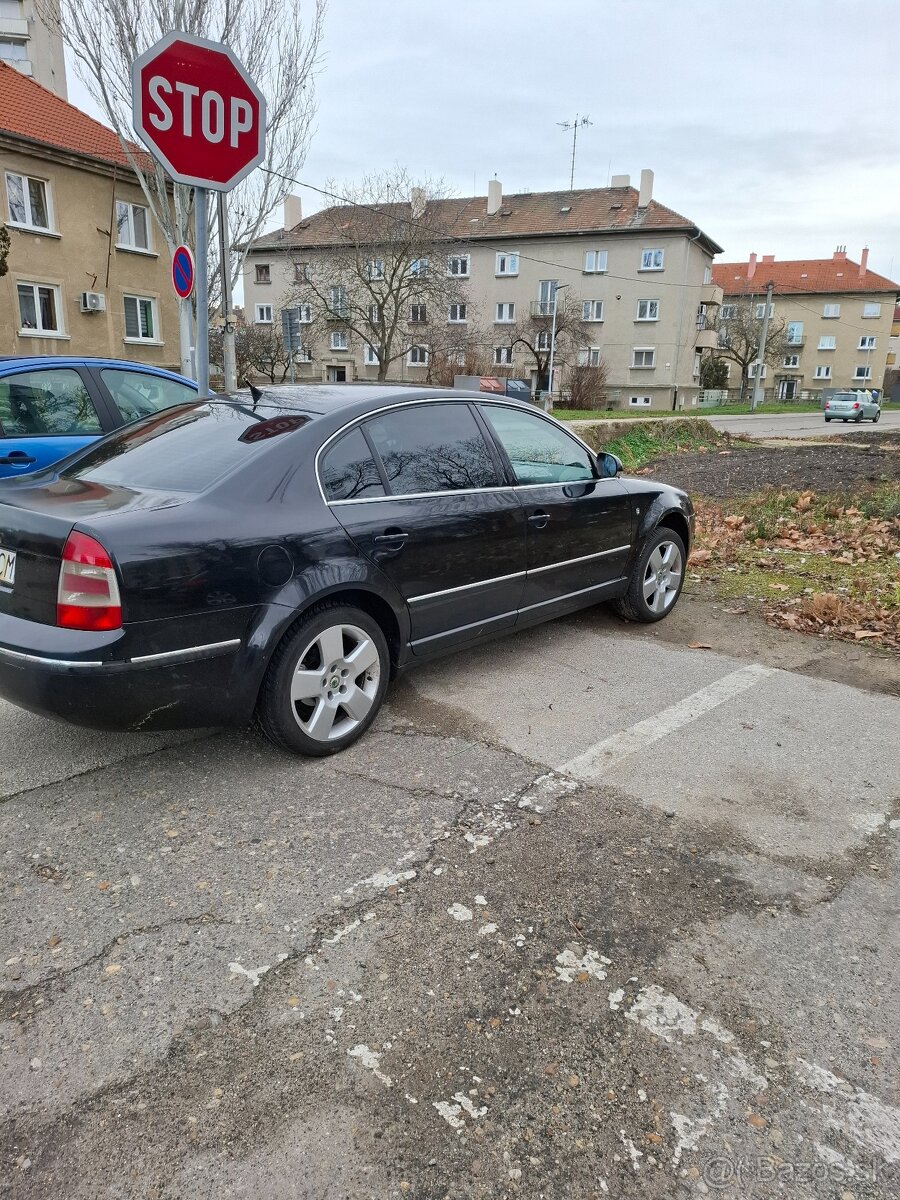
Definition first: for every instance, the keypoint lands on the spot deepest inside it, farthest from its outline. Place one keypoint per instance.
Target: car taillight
(828, 404)
(88, 593)
(856, 405)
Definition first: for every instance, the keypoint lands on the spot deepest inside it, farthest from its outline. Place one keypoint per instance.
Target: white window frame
(418, 268)
(460, 308)
(871, 309)
(867, 341)
(39, 331)
(375, 269)
(862, 372)
(831, 312)
(698, 359)
(141, 302)
(417, 356)
(257, 267)
(650, 310)
(590, 356)
(502, 307)
(595, 262)
(131, 245)
(827, 341)
(304, 314)
(423, 319)
(301, 273)
(452, 260)
(653, 258)
(506, 263)
(822, 371)
(503, 356)
(50, 227)
(727, 311)
(791, 362)
(339, 340)
(259, 314)
(760, 311)
(542, 340)
(370, 358)
(707, 274)
(592, 310)
(373, 314)
(790, 339)
(640, 401)
(643, 350)
(757, 370)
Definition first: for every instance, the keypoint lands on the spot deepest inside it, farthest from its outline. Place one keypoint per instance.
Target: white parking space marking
(608, 753)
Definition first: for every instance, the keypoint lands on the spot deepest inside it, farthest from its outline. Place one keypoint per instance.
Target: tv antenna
(578, 123)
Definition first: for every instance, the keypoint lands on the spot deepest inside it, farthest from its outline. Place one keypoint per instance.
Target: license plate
(7, 567)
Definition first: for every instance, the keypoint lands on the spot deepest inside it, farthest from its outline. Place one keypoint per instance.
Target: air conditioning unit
(93, 302)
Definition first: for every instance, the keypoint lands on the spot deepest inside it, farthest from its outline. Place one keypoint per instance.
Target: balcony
(542, 308)
(711, 293)
(337, 314)
(707, 339)
(13, 27)
(795, 342)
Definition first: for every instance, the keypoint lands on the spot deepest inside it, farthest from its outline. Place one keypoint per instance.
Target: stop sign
(198, 111)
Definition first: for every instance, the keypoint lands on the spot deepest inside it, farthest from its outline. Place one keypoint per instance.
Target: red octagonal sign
(199, 111)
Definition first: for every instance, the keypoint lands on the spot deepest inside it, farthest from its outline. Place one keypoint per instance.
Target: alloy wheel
(662, 577)
(335, 682)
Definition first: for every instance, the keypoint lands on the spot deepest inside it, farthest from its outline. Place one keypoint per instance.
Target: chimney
(646, 193)
(840, 254)
(620, 181)
(751, 267)
(417, 202)
(293, 211)
(768, 258)
(864, 262)
(494, 197)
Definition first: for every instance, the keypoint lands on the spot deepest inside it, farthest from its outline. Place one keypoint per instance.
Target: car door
(134, 393)
(579, 526)
(45, 414)
(421, 492)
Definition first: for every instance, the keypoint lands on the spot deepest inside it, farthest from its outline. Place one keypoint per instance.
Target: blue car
(50, 407)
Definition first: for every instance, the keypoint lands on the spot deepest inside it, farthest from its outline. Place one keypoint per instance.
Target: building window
(374, 314)
(418, 267)
(592, 310)
(304, 313)
(791, 361)
(27, 201)
(505, 313)
(794, 333)
(418, 314)
(647, 310)
(303, 355)
(696, 371)
(727, 311)
(13, 49)
(503, 356)
(263, 273)
(761, 311)
(339, 339)
(456, 314)
(831, 311)
(370, 357)
(757, 370)
(301, 272)
(132, 226)
(595, 262)
(823, 372)
(542, 341)
(264, 314)
(507, 264)
(589, 356)
(871, 310)
(140, 319)
(827, 343)
(639, 402)
(652, 260)
(417, 356)
(867, 342)
(337, 301)
(376, 269)
(862, 373)
(643, 356)
(39, 308)
(458, 265)
(707, 274)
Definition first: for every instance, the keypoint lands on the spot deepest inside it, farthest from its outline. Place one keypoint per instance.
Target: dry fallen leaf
(756, 1121)
(103, 886)
(113, 968)
(779, 587)
(860, 634)
(699, 646)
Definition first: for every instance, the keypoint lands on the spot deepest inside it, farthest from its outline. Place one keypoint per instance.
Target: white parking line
(608, 753)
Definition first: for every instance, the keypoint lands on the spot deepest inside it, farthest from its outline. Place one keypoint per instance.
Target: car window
(349, 471)
(140, 395)
(435, 448)
(46, 403)
(538, 451)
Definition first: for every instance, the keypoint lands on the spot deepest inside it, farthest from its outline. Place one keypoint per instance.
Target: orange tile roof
(30, 111)
(524, 214)
(799, 276)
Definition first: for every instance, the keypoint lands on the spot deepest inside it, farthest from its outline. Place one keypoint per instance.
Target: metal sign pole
(201, 258)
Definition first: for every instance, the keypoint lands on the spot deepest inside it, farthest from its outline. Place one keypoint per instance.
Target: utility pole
(757, 397)
(578, 123)
(560, 288)
(229, 365)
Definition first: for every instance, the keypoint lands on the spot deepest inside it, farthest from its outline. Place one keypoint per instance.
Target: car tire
(845, 419)
(326, 681)
(828, 420)
(650, 595)
(858, 420)
(877, 417)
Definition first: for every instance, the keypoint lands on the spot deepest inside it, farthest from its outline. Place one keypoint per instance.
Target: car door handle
(397, 536)
(539, 519)
(16, 458)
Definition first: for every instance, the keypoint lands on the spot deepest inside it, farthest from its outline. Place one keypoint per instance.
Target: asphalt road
(799, 425)
(589, 913)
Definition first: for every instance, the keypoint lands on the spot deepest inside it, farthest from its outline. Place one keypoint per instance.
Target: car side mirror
(609, 465)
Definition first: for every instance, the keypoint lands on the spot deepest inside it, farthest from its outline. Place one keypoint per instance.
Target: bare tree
(276, 47)
(4, 250)
(739, 332)
(587, 385)
(533, 332)
(390, 273)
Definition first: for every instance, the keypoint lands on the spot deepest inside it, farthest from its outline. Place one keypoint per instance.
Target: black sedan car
(283, 555)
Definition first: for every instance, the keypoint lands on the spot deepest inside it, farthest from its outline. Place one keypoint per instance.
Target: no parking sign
(183, 272)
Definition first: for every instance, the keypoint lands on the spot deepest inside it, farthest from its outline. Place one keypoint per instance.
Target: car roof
(350, 399)
(16, 362)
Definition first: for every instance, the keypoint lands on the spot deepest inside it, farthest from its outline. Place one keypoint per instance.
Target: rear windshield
(182, 449)
(844, 397)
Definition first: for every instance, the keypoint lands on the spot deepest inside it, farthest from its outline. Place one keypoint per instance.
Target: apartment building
(31, 46)
(837, 315)
(639, 274)
(87, 271)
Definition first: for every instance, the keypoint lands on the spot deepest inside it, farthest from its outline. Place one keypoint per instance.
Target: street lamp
(559, 288)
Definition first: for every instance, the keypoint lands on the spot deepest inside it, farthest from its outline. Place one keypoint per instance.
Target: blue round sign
(183, 272)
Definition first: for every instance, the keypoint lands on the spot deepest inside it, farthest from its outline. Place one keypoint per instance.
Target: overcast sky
(770, 123)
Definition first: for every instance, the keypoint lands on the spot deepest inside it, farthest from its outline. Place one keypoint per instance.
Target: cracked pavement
(439, 965)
